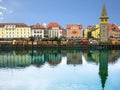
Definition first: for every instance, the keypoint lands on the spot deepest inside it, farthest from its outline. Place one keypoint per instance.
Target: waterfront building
(86, 32)
(54, 30)
(14, 31)
(74, 31)
(104, 20)
(64, 33)
(113, 31)
(38, 31)
(96, 31)
(92, 32)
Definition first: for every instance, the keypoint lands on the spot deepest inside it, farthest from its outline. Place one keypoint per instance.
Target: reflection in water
(103, 67)
(12, 59)
(92, 55)
(74, 57)
(37, 58)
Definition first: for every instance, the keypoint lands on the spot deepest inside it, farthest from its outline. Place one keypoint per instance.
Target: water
(60, 70)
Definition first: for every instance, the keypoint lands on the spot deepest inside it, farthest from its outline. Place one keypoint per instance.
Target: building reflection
(74, 57)
(13, 59)
(24, 58)
(113, 56)
(103, 67)
(91, 55)
(94, 55)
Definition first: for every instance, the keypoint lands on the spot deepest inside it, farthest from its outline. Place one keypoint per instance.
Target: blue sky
(85, 12)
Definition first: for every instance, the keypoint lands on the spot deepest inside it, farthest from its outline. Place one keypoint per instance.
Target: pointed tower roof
(104, 12)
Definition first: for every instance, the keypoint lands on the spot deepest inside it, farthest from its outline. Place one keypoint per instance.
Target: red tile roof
(70, 25)
(113, 27)
(38, 26)
(53, 24)
(16, 24)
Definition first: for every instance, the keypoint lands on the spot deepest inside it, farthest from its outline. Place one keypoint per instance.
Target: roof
(16, 24)
(71, 25)
(53, 24)
(104, 12)
(113, 27)
(37, 26)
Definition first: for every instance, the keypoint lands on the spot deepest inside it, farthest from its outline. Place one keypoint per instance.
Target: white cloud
(4, 11)
(3, 8)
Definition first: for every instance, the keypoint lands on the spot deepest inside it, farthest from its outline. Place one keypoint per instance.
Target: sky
(85, 12)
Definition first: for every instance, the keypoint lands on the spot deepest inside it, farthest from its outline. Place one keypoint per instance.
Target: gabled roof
(113, 27)
(37, 26)
(71, 25)
(53, 24)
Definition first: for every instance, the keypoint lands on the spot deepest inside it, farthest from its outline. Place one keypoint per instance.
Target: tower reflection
(103, 67)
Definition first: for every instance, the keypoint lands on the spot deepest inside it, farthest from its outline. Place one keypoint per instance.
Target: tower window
(106, 20)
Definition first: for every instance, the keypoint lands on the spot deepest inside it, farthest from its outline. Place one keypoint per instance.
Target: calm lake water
(60, 70)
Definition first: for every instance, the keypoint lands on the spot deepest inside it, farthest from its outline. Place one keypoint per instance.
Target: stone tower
(104, 20)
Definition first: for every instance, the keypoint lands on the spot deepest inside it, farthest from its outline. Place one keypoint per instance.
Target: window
(106, 20)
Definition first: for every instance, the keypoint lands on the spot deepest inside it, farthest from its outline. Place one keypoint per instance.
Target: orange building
(74, 31)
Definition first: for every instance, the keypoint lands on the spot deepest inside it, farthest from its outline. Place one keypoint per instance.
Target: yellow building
(86, 32)
(96, 32)
(92, 32)
(14, 31)
(0, 32)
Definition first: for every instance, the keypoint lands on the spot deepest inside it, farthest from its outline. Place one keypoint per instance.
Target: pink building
(74, 31)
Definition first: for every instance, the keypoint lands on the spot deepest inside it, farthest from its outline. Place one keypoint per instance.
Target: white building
(38, 31)
(54, 30)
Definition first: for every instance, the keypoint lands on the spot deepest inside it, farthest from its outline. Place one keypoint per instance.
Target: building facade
(74, 31)
(38, 31)
(64, 33)
(14, 31)
(92, 32)
(86, 31)
(96, 32)
(113, 31)
(54, 30)
(104, 20)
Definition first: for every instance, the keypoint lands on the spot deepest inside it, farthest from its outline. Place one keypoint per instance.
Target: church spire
(104, 12)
